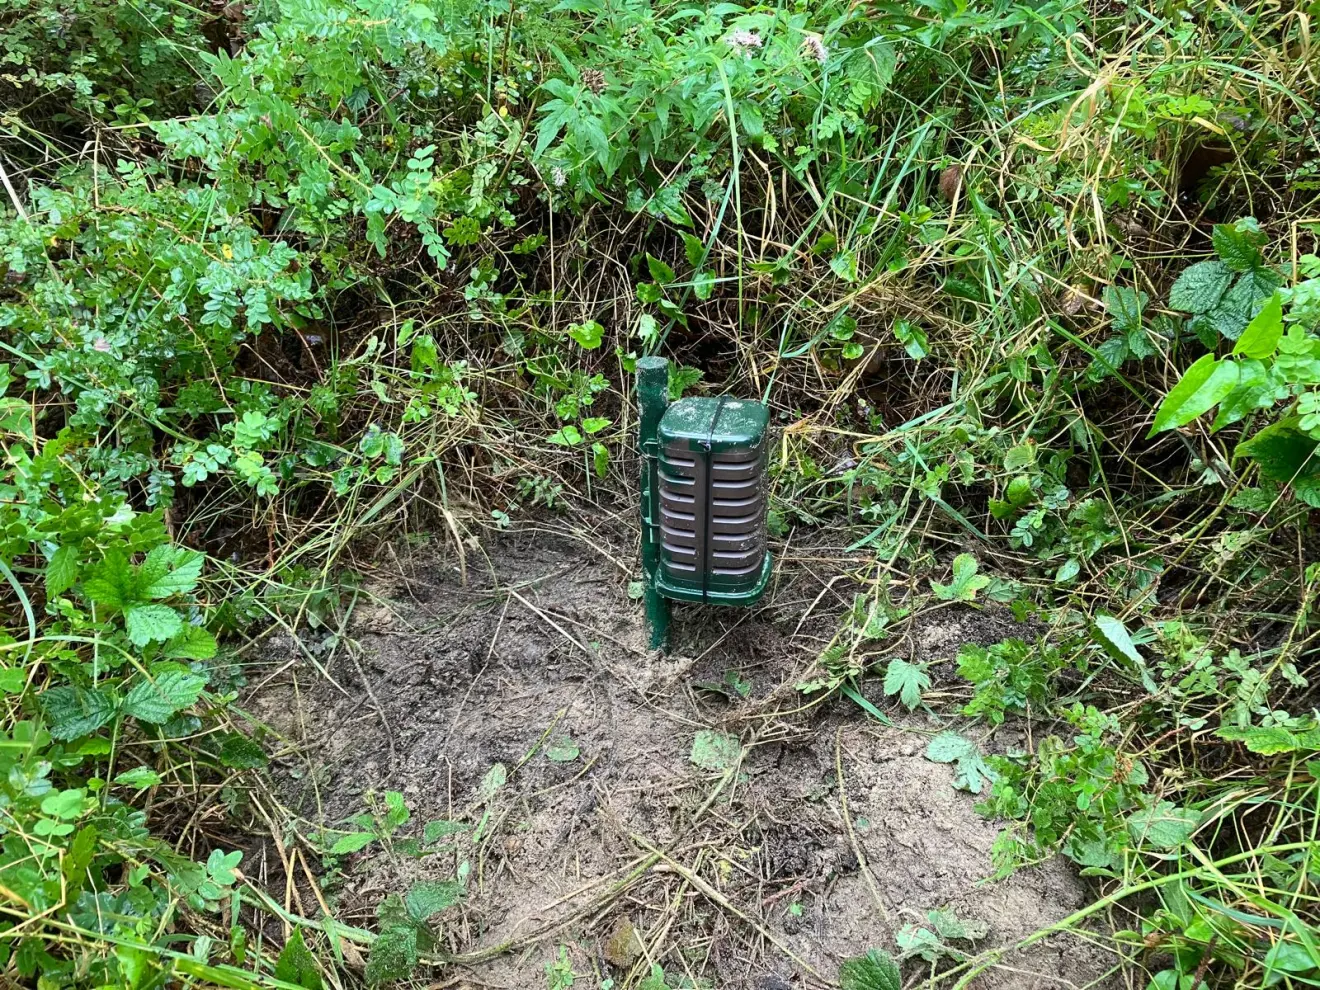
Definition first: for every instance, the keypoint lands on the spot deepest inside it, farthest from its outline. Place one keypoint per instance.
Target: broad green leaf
(190, 643)
(440, 829)
(297, 965)
(660, 271)
(1238, 245)
(874, 971)
(913, 339)
(713, 750)
(139, 777)
(61, 571)
(75, 711)
(169, 570)
(594, 424)
(703, 284)
(1200, 287)
(1111, 634)
(239, 752)
(562, 749)
(1282, 451)
(151, 623)
(1201, 387)
(13, 680)
(351, 843)
(1164, 826)
(1261, 337)
(430, 897)
(567, 436)
(844, 265)
(907, 680)
(156, 701)
(1124, 306)
(588, 335)
(966, 582)
(971, 772)
(393, 955)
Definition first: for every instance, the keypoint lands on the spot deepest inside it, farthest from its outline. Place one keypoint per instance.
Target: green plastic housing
(711, 455)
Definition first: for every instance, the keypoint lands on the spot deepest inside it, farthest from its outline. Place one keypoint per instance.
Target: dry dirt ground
(606, 845)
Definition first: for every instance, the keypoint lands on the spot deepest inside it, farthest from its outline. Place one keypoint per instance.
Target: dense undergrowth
(1030, 283)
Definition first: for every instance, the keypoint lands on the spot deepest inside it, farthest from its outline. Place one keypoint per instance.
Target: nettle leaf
(1164, 826)
(76, 711)
(971, 772)
(351, 843)
(393, 955)
(111, 582)
(874, 971)
(1261, 337)
(1124, 306)
(1282, 451)
(844, 265)
(1201, 388)
(238, 752)
(966, 582)
(297, 965)
(1238, 245)
(151, 623)
(907, 680)
(428, 898)
(440, 829)
(1200, 287)
(562, 749)
(159, 699)
(61, 571)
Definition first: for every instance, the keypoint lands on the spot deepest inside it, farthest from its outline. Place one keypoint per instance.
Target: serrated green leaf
(1111, 634)
(440, 829)
(170, 691)
(393, 955)
(430, 897)
(1238, 245)
(139, 777)
(238, 752)
(76, 711)
(1163, 826)
(169, 570)
(351, 843)
(297, 965)
(660, 271)
(1200, 389)
(966, 582)
(61, 571)
(151, 623)
(907, 680)
(1200, 287)
(970, 769)
(1261, 337)
(495, 778)
(189, 643)
(874, 971)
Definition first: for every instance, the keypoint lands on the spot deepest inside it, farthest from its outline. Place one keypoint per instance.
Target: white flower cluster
(558, 176)
(816, 48)
(744, 42)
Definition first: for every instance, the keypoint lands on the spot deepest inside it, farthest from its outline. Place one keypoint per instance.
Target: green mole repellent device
(703, 498)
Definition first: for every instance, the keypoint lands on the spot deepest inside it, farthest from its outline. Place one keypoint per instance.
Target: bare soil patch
(628, 854)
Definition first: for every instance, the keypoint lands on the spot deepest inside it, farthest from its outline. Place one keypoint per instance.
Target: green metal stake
(653, 397)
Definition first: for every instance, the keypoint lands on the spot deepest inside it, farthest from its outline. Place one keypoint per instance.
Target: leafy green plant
(406, 933)
(1008, 677)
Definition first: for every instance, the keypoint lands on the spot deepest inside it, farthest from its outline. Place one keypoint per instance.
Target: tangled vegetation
(1031, 287)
